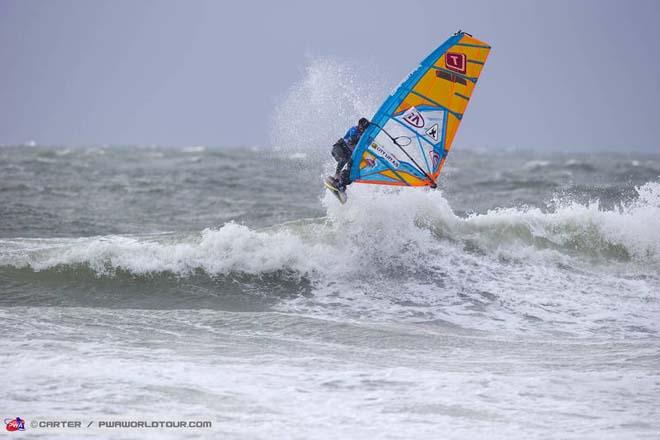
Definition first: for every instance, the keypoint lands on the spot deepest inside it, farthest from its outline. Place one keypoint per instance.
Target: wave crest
(377, 230)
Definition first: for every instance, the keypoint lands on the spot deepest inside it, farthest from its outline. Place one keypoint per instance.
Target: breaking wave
(378, 227)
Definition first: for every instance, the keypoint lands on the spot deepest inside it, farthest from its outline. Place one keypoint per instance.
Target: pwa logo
(16, 424)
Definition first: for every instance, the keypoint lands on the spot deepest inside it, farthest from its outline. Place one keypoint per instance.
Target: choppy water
(521, 300)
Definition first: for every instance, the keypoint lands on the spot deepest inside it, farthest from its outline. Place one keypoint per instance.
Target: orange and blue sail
(425, 111)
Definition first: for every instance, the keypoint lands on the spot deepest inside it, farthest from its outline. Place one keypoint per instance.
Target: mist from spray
(318, 109)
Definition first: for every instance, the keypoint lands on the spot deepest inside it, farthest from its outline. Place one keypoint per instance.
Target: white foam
(536, 164)
(194, 149)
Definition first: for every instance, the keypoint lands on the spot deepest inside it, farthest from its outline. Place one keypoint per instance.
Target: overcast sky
(566, 75)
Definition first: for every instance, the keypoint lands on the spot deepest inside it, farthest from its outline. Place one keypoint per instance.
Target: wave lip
(232, 248)
(628, 232)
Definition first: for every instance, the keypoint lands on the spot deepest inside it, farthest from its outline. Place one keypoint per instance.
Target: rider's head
(363, 123)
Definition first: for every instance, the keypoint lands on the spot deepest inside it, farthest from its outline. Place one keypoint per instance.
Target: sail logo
(385, 154)
(413, 117)
(435, 158)
(16, 424)
(456, 62)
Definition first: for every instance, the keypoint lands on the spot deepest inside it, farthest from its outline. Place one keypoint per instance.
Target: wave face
(392, 254)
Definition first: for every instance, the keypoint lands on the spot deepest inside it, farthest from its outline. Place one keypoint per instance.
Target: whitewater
(519, 300)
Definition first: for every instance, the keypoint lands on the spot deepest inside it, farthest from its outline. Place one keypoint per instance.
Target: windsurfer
(342, 151)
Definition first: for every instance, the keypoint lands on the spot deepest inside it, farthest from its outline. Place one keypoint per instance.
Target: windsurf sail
(411, 134)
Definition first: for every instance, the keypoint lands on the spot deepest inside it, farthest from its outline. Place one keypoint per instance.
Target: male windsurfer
(342, 151)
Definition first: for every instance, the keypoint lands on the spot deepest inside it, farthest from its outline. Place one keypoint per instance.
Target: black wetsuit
(342, 151)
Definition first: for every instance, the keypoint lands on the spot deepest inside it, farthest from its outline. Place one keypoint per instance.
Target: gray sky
(566, 75)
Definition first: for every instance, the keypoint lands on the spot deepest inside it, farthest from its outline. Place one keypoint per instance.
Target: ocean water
(519, 300)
